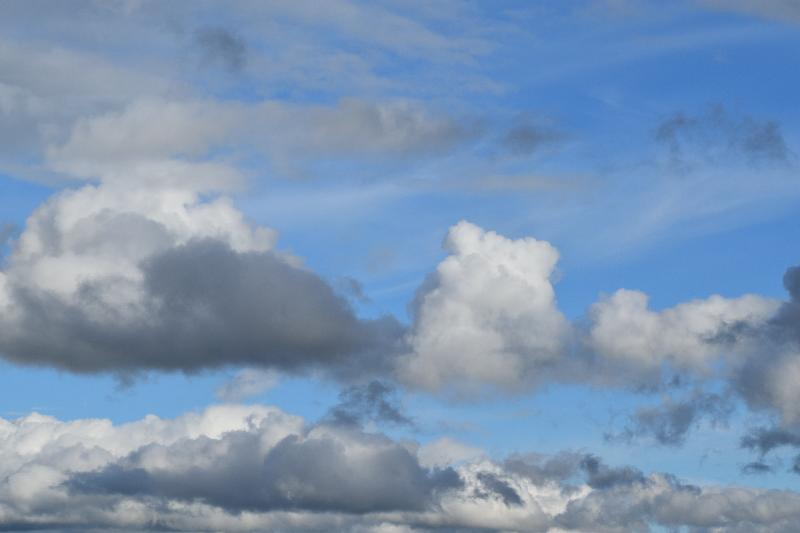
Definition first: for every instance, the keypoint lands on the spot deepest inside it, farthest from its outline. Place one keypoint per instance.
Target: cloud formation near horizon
(247, 468)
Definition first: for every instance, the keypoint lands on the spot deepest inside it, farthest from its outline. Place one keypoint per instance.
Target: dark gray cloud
(221, 47)
(717, 135)
(670, 422)
(375, 402)
(206, 306)
(764, 440)
(309, 473)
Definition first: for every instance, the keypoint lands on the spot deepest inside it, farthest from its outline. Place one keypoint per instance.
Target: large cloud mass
(251, 468)
(115, 277)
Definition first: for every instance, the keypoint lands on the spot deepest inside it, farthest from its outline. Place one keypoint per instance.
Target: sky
(400, 266)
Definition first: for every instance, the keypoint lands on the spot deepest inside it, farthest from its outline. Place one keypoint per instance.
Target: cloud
(246, 384)
(115, 278)
(638, 341)
(325, 470)
(486, 316)
(767, 380)
(372, 402)
(766, 439)
(222, 47)
(716, 136)
(174, 140)
(255, 468)
(669, 423)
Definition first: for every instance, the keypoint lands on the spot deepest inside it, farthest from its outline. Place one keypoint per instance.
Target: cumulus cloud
(251, 468)
(768, 379)
(119, 278)
(487, 315)
(639, 341)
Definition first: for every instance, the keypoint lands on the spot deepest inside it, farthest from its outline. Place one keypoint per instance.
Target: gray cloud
(372, 402)
(309, 473)
(765, 440)
(717, 135)
(205, 306)
(255, 468)
(600, 476)
(221, 47)
(670, 422)
(492, 484)
(766, 379)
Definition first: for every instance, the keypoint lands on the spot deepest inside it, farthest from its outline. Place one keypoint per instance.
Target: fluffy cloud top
(488, 315)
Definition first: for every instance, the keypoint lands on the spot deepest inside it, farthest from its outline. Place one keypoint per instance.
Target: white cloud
(627, 333)
(487, 316)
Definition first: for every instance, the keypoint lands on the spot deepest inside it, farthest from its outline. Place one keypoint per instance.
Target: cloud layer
(250, 468)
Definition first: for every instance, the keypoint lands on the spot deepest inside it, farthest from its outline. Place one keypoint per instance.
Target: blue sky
(486, 246)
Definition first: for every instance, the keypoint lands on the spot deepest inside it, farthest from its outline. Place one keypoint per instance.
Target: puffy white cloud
(690, 336)
(487, 316)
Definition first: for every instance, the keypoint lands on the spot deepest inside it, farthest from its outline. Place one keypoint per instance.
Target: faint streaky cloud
(246, 384)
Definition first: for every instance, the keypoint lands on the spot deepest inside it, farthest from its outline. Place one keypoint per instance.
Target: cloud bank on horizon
(161, 150)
